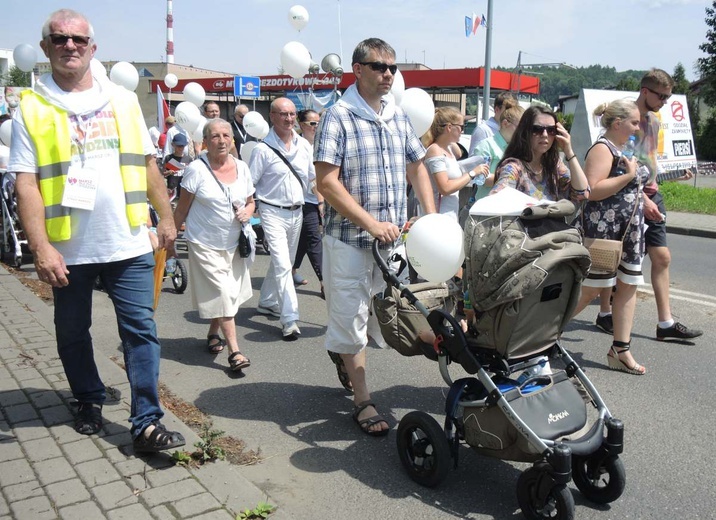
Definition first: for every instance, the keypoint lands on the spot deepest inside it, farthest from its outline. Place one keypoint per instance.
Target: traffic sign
(247, 86)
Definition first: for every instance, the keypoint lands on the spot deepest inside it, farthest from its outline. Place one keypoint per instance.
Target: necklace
(532, 170)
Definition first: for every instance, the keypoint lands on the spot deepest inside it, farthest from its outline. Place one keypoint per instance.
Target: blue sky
(246, 36)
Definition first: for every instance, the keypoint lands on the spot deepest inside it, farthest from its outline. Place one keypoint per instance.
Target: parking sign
(247, 86)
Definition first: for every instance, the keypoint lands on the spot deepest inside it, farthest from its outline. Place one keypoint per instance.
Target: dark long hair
(520, 146)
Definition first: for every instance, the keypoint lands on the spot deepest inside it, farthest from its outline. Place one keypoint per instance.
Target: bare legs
(228, 329)
(355, 366)
(660, 260)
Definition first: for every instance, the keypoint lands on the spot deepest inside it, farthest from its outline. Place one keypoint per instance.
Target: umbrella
(160, 257)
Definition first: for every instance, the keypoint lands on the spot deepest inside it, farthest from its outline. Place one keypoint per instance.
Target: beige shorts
(350, 279)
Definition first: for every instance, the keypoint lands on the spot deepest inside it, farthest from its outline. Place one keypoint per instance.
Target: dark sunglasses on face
(61, 39)
(381, 67)
(311, 123)
(539, 129)
(662, 97)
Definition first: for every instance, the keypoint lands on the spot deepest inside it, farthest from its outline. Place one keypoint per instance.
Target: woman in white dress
(441, 160)
(217, 200)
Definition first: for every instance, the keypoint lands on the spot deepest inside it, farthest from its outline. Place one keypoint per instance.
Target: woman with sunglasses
(441, 160)
(532, 164)
(615, 211)
(310, 241)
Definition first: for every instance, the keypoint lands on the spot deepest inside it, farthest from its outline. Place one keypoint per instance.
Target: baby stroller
(524, 274)
(13, 240)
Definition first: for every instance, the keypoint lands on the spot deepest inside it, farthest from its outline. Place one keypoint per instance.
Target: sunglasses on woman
(540, 129)
(310, 123)
(62, 39)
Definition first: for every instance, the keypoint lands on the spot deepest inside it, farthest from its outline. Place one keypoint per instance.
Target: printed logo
(71, 180)
(682, 148)
(677, 111)
(552, 418)
(219, 83)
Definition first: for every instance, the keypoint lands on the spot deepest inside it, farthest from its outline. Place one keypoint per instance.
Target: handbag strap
(290, 167)
(224, 189)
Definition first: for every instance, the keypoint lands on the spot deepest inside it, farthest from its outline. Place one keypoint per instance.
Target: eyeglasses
(310, 123)
(379, 66)
(461, 127)
(662, 97)
(286, 115)
(62, 39)
(540, 129)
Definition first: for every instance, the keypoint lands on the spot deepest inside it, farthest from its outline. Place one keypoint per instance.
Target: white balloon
(398, 87)
(253, 123)
(25, 57)
(187, 115)
(298, 17)
(247, 149)
(98, 70)
(198, 134)
(4, 156)
(171, 80)
(263, 131)
(124, 74)
(6, 132)
(194, 93)
(435, 247)
(420, 109)
(295, 59)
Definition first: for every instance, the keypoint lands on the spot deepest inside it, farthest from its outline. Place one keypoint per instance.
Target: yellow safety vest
(49, 129)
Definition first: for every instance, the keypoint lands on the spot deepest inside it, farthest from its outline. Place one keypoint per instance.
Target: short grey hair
(214, 122)
(65, 14)
(363, 49)
(239, 107)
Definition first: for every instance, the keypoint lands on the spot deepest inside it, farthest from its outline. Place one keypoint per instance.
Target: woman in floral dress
(614, 211)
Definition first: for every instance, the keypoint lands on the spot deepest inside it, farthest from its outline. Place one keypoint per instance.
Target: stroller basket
(402, 310)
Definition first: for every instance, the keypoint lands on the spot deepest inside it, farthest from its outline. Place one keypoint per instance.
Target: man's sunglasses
(310, 123)
(540, 129)
(662, 97)
(379, 66)
(62, 39)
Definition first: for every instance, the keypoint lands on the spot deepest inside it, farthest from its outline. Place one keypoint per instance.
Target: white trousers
(282, 229)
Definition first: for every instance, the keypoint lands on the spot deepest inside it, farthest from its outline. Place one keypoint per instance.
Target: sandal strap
(160, 436)
(359, 407)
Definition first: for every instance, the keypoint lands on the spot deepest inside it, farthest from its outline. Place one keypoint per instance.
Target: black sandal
(236, 365)
(217, 347)
(365, 424)
(88, 420)
(341, 370)
(159, 440)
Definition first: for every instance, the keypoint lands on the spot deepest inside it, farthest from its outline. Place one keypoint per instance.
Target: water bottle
(171, 266)
(540, 368)
(627, 153)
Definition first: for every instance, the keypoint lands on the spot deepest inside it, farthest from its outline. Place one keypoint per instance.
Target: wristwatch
(472, 174)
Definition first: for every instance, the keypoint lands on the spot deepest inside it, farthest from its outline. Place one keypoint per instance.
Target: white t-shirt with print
(103, 234)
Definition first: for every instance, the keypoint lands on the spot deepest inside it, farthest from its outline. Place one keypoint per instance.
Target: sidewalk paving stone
(45, 399)
(114, 495)
(172, 492)
(15, 472)
(41, 449)
(83, 510)
(25, 490)
(36, 508)
(97, 472)
(82, 450)
(31, 430)
(192, 506)
(54, 470)
(10, 450)
(67, 492)
(133, 512)
(20, 413)
(13, 397)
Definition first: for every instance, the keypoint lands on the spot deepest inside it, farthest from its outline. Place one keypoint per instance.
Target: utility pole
(488, 64)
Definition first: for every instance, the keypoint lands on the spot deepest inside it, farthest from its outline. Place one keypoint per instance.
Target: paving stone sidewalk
(47, 470)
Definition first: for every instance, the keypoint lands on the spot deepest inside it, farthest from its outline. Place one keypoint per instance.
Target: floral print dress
(612, 218)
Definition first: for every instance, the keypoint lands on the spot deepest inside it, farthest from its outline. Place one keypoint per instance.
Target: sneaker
(605, 323)
(291, 332)
(677, 331)
(268, 312)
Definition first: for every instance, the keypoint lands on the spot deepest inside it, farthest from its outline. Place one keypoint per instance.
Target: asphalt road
(317, 465)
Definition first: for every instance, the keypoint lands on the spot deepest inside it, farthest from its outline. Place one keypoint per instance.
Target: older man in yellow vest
(85, 167)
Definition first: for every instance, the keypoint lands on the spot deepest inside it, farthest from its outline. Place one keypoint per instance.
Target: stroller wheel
(423, 449)
(600, 479)
(559, 503)
(180, 278)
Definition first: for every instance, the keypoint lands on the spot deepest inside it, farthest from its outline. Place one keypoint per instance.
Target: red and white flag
(162, 111)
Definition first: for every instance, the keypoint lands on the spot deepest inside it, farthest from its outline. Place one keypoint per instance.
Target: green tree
(628, 83)
(681, 84)
(707, 65)
(15, 78)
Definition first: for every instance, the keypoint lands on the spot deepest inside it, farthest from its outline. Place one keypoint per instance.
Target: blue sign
(247, 86)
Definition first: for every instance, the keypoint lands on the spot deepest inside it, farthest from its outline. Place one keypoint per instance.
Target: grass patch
(687, 199)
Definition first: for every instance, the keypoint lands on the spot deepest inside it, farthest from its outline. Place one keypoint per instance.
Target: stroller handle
(390, 278)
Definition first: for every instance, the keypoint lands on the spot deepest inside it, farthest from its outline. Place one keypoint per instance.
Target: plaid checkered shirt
(372, 160)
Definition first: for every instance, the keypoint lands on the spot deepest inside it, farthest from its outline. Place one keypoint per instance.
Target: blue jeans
(129, 284)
